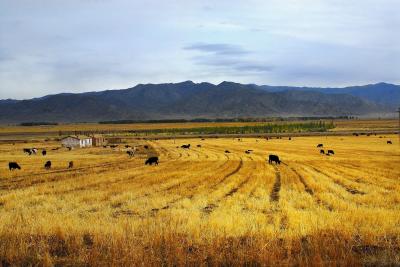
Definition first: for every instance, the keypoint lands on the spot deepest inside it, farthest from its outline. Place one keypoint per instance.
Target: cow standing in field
(70, 165)
(320, 145)
(185, 146)
(27, 151)
(13, 165)
(47, 165)
(44, 152)
(322, 151)
(330, 151)
(227, 151)
(389, 142)
(273, 158)
(152, 160)
(130, 153)
(198, 145)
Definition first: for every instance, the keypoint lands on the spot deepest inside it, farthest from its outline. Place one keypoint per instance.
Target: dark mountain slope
(184, 100)
(380, 93)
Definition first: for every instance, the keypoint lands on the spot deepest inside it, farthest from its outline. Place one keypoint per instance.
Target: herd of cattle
(154, 159)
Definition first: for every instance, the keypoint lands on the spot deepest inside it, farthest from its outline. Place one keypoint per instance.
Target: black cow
(152, 160)
(388, 142)
(290, 138)
(322, 151)
(227, 151)
(273, 158)
(185, 146)
(47, 165)
(247, 152)
(28, 151)
(13, 166)
(126, 146)
(70, 165)
(146, 147)
(44, 152)
(355, 134)
(130, 153)
(113, 146)
(320, 145)
(198, 145)
(330, 151)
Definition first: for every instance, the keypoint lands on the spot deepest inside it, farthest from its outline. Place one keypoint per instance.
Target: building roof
(78, 137)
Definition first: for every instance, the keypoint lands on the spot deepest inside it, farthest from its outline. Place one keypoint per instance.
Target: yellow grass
(117, 127)
(202, 206)
(366, 125)
(341, 125)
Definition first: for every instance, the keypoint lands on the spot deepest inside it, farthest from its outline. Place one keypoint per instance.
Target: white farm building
(76, 141)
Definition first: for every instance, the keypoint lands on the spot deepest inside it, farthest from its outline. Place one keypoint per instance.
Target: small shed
(76, 141)
(98, 140)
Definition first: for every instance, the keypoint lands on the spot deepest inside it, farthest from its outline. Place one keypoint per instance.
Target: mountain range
(188, 100)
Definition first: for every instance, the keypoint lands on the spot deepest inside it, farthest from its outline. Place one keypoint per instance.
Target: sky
(54, 46)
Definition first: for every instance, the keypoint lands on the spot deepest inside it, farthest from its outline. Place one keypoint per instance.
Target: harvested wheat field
(202, 206)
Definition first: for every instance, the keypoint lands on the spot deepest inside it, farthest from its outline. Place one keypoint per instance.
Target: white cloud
(54, 46)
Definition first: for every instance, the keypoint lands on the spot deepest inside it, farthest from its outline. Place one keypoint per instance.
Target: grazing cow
(273, 158)
(227, 151)
(388, 142)
(34, 150)
(330, 152)
(322, 151)
(44, 152)
(70, 165)
(152, 160)
(27, 150)
(247, 152)
(47, 165)
(198, 145)
(320, 145)
(146, 147)
(130, 153)
(13, 166)
(185, 146)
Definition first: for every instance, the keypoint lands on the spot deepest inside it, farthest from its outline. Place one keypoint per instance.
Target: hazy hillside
(190, 100)
(381, 93)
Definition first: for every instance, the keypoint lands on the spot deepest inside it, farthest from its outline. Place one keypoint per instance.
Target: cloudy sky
(54, 46)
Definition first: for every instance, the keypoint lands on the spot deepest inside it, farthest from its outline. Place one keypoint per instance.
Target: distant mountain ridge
(187, 100)
(381, 93)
